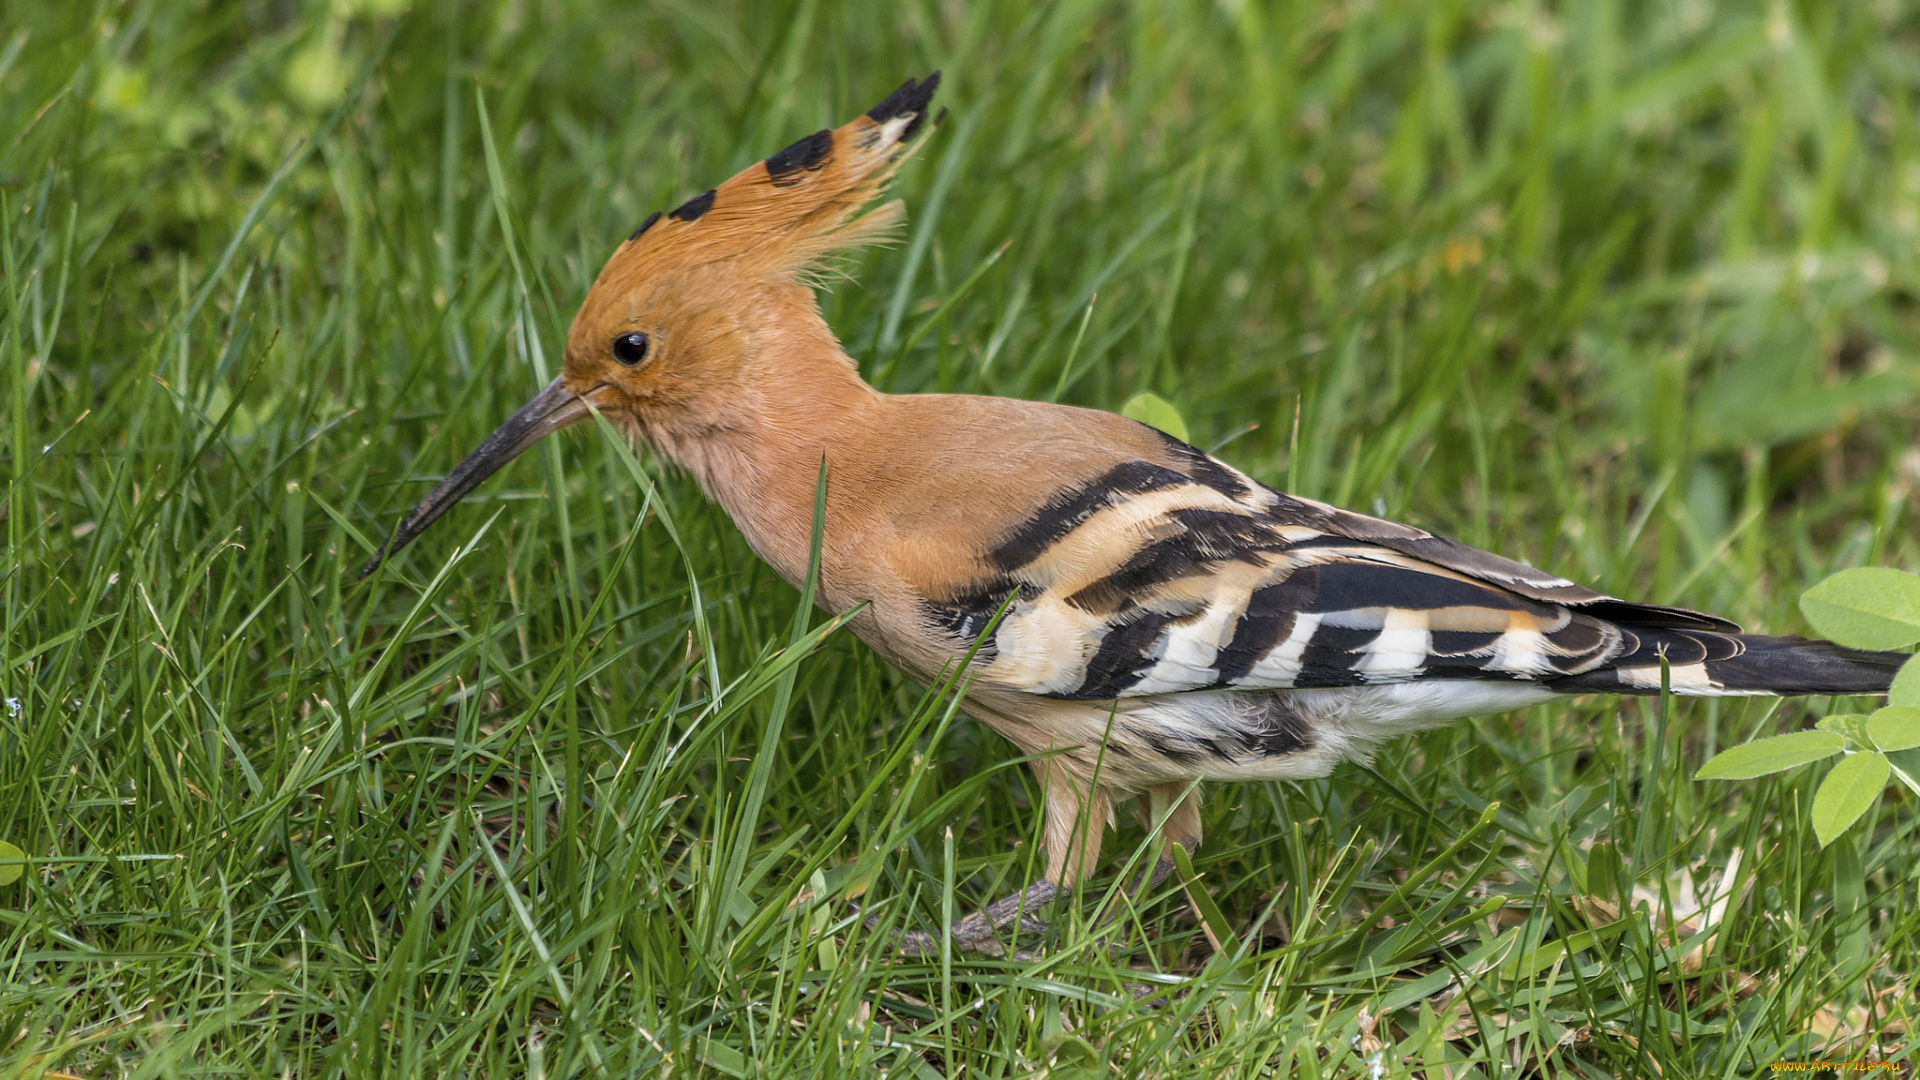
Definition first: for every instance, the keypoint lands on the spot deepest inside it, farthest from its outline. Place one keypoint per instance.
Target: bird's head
(690, 308)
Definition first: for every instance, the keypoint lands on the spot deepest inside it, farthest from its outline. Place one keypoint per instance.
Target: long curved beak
(549, 411)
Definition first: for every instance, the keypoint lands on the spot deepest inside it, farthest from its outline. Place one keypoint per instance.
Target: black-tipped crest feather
(695, 208)
(809, 154)
(911, 97)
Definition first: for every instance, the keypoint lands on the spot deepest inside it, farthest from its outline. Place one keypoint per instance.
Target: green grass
(1629, 290)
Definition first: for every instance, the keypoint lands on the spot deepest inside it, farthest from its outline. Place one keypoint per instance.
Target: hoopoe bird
(1140, 616)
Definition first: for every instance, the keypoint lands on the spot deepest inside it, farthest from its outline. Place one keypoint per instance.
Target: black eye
(631, 348)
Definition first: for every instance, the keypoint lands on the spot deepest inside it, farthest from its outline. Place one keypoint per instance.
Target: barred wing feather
(1166, 578)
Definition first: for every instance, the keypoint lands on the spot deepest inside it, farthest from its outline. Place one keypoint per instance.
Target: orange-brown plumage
(1162, 618)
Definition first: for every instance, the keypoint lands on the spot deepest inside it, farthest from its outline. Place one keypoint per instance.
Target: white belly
(1291, 734)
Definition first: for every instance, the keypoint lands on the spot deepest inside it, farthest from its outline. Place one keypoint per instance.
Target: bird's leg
(1075, 816)
(1178, 806)
(1148, 879)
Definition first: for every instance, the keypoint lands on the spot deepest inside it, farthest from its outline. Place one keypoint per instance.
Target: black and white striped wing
(1212, 606)
(1154, 579)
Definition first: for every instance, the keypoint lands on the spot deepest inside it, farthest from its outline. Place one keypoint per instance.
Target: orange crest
(785, 214)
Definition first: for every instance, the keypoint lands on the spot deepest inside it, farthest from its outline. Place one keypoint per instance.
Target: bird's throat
(760, 454)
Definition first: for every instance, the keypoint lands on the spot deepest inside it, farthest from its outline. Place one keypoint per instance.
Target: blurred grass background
(1625, 289)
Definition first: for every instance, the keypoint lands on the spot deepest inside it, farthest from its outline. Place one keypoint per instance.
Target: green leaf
(1155, 411)
(11, 874)
(1874, 607)
(725, 1059)
(1604, 872)
(1851, 725)
(1777, 754)
(1846, 793)
(1072, 1058)
(1906, 686)
(1896, 727)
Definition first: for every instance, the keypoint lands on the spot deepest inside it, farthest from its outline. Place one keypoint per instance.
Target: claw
(981, 932)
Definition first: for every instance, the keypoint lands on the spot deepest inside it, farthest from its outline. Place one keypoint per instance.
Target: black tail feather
(1713, 665)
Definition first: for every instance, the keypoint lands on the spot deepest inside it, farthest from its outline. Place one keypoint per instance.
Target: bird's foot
(989, 930)
(1113, 937)
(982, 931)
